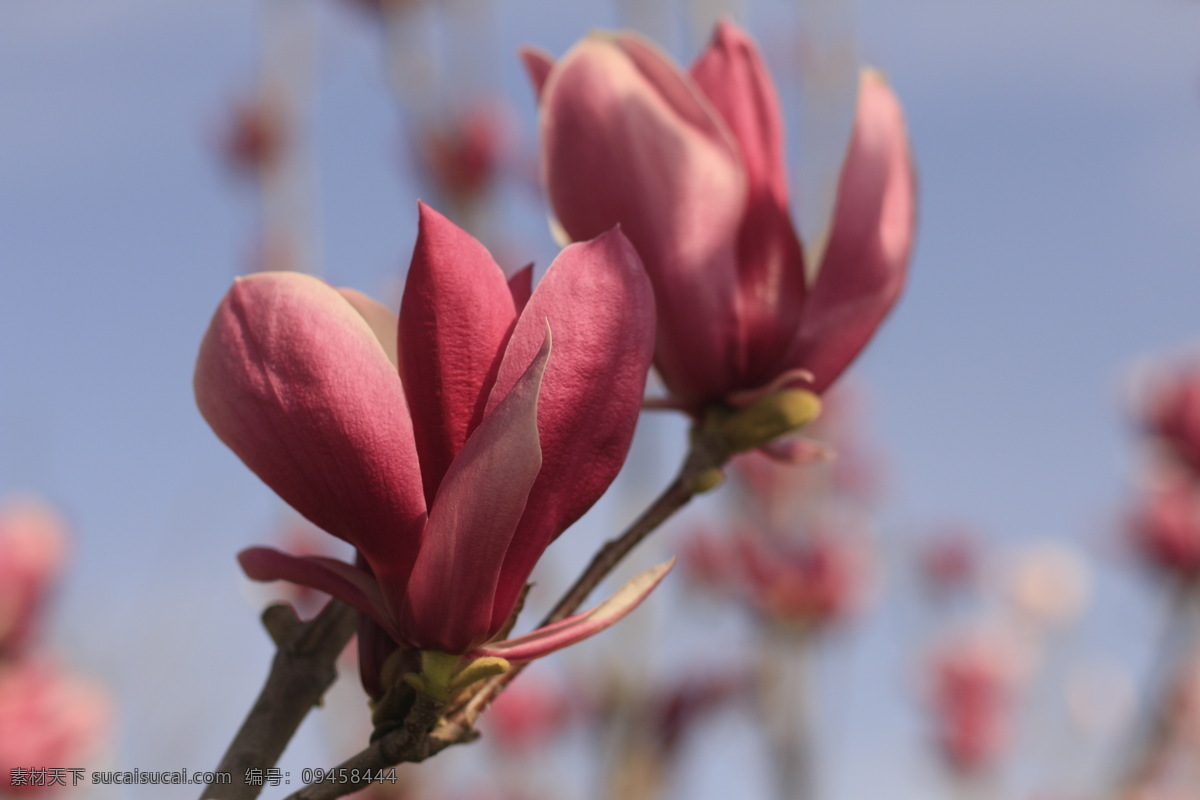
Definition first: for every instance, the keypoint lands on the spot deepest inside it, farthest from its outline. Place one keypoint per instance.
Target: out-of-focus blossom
(1165, 526)
(675, 711)
(1050, 584)
(691, 165)
(382, 7)
(948, 559)
(1170, 412)
(256, 136)
(33, 548)
(709, 560)
(461, 154)
(972, 686)
(451, 446)
(527, 713)
(47, 719)
(814, 582)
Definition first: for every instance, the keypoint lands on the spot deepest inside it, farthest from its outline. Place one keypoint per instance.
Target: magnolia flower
(47, 719)
(450, 446)
(33, 547)
(691, 166)
(1165, 527)
(1170, 412)
(973, 684)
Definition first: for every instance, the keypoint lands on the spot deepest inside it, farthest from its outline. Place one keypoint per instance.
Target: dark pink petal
(382, 321)
(448, 602)
(538, 64)
(866, 261)
(600, 306)
(627, 138)
(732, 75)
(455, 317)
(770, 260)
(349, 584)
(295, 382)
(567, 632)
(521, 286)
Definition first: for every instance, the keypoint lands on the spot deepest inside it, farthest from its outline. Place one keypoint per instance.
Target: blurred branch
(785, 702)
(1173, 666)
(302, 671)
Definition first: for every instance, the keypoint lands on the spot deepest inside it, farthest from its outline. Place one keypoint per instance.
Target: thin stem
(786, 703)
(1178, 645)
(301, 672)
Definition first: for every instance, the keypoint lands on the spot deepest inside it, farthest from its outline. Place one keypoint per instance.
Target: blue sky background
(1058, 147)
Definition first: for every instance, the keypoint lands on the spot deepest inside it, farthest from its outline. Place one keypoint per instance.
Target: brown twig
(301, 672)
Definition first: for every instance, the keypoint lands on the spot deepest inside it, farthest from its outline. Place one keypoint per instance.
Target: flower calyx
(443, 675)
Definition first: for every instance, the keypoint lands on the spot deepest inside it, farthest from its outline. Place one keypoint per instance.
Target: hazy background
(1058, 148)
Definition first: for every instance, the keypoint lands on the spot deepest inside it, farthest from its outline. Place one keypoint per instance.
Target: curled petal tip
(581, 626)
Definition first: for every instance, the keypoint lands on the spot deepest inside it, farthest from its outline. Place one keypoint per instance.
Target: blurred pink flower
(47, 719)
(451, 446)
(709, 560)
(1165, 526)
(527, 713)
(255, 136)
(462, 154)
(691, 166)
(973, 681)
(816, 581)
(33, 548)
(1171, 412)
(949, 559)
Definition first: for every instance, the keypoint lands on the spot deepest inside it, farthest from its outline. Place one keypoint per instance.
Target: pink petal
(770, 260)
(627, 138)
(381, 319)
(538, 64)
(599, 303)
(732, 75)
(567, 632)
(450, 595)
(295, 382)
(455, 317)
(349, 584)
(866, 261)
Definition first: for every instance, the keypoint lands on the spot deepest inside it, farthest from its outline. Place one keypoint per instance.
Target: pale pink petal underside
(628, 139)
(580, 626)
(381, 319)
(292, 378)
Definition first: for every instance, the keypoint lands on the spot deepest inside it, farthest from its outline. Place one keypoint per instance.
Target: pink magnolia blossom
(256, 136)
(1171, 413)
(1165, 527)
(33, 547)
(816, 581)
(528, 713)
(691, 166)
(47, 719)
(973, 684)
(449, 446)
(461, 155)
